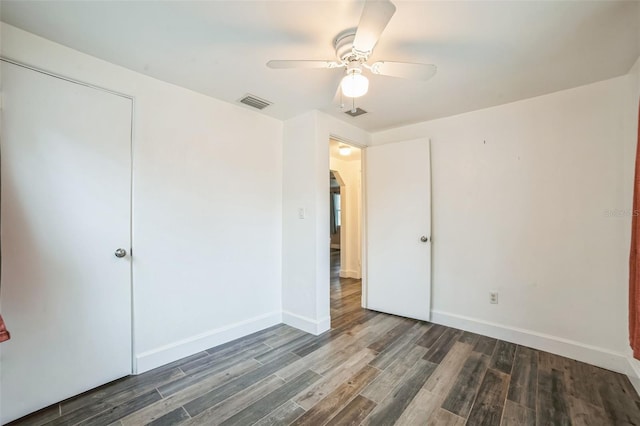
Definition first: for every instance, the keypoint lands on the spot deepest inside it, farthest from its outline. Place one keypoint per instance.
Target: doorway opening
(345, 217)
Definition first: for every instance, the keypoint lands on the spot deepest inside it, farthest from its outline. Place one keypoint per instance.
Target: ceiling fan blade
(404, 70)
(374, 19)
(303, 64)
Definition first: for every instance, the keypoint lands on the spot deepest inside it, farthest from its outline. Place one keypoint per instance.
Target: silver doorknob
(120, 252)
(424, 238)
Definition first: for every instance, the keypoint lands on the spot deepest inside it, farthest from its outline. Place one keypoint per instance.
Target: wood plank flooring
(369, 369)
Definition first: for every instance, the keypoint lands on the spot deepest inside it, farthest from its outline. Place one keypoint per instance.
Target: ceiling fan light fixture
(353, 48)
(354, 84)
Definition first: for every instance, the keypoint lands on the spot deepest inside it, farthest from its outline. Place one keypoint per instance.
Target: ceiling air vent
(255, 102)
(355, 112)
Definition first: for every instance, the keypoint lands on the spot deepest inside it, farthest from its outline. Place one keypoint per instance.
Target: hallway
(346, 296)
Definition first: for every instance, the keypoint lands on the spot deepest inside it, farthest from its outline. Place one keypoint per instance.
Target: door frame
(336, 174)
(8, 60)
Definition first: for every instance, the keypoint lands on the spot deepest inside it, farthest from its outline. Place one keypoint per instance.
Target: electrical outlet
(493, 297)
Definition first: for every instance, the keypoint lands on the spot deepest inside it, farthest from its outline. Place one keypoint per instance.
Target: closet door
(398, 203)
(66, 209)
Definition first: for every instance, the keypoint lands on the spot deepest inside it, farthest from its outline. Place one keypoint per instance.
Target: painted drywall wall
(633, 100)
(527, 201)
(299, 222)
(351, 196)
(207, 207)
(305, 240)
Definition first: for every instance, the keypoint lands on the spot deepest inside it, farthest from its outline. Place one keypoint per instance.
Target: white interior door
(65, 297)
(398, 212)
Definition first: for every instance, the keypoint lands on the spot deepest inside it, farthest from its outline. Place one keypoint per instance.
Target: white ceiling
(487, 52)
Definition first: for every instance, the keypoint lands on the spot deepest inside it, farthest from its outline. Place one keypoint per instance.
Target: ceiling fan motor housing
(344, 47)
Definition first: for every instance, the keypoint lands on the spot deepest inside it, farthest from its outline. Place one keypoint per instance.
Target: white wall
(520, 195)
(207, 197)
(633, 97)
(299, 269)
(351, 199)
(305, 244)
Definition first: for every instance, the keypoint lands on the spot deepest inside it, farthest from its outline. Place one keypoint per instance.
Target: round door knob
(120, 252)
(424, 238)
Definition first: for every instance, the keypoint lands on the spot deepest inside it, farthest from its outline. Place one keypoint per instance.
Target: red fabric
(4, 334)
(634, 260)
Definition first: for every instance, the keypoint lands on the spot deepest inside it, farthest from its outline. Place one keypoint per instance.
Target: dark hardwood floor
(370, 369)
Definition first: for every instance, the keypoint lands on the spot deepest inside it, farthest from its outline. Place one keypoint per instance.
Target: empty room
(322, 212)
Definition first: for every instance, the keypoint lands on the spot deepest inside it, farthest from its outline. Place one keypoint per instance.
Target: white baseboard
(568, 348)
(345, 273)
(165, 354)
(634, 372)
(306, 324)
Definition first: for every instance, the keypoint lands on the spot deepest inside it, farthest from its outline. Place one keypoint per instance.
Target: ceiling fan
(353, 48)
